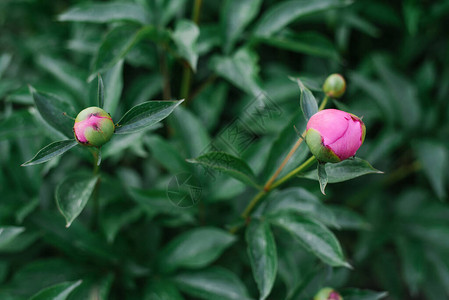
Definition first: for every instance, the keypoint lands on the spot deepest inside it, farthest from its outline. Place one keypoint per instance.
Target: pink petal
(348, 144)
(93, 121)
(330, 123)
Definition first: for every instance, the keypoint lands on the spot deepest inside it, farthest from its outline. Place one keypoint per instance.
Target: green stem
(165, 73)
(96, 153)
(187, 72)
(196, 11)
(299, 169)
(295, 147)
(259, 196)
(323, 103)
(185, 83)
(271, 183)
(253, 203)
(97, 160)
(202, 86)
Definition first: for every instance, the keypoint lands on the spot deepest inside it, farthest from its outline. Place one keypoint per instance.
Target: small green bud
(334, 86)
(327, 294)
(93, 127)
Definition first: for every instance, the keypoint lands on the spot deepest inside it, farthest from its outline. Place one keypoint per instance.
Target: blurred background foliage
(221, 56)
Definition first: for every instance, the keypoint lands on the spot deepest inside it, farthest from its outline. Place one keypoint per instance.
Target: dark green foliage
(179, 204)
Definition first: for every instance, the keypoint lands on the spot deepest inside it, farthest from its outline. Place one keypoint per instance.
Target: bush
(209, 192)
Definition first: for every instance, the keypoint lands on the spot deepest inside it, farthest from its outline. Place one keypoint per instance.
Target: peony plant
(92, 128)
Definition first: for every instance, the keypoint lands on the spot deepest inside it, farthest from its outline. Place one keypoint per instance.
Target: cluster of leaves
(161, 226)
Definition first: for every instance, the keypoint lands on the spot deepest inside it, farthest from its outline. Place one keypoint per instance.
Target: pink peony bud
(93, 127)
(327, 294)
(334, 135)
(334, 86)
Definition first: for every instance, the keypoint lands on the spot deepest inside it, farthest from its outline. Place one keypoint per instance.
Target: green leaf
(311, 43)
(22, 242)
(236, 15)
(64, 72)
(100, 93)
(113, 80)
(262, 255)
(348, 219)
(210, 37)
(356, 294)
(33, 276)
(162, 290)
(155, 202)
(167, 155)
(413, 264)
(26, 209)
(322, 176)
(114, 217)
(213, 283)
(145, 114)
(18, 124)
(52, 109)
(229, 164)
(300, 201)
(282, 14)
(345, 170)
(307, 101)
(8, 234)
(378, 92)
(185, 37)
(400, 88)
(314, 237)
(125, 142)
(106, 13)
(73, 193)
(75, 241)
(195, 249)
(94, 287)
(357, 22)
(241, 69)
(190, 132)
(57, 292)
(50, 151)
(119, 42)
(209, 111)
(169, 10)
(5, 59)
(434, 159)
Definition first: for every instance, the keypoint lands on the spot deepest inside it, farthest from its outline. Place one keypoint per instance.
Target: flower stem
(323, 103)
(259, 196)
(299, 169)
(253, 203)
(196, 11)
(271, 183)
(185, 83)
(165, 73)
(187, 72)
(97, 160)
(96, 153)
(295, 147)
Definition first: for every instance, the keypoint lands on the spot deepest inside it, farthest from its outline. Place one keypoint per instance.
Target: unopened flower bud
(93, 127)
(334, 135)
(334, 86)
(327, 294)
